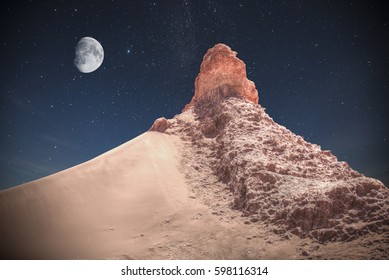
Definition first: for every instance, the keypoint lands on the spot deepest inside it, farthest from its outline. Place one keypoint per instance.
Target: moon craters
(89, 55)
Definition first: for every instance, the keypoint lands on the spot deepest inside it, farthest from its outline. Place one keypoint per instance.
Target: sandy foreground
(135, 202)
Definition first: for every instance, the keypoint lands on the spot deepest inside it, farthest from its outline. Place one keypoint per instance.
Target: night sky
(321, 69)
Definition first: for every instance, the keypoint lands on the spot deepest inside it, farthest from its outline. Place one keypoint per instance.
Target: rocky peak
(221, 75)
(275, 176)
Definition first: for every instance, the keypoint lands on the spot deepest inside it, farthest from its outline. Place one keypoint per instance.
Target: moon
(89, 55)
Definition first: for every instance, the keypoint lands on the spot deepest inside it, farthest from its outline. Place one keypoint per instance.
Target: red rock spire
(221, 72)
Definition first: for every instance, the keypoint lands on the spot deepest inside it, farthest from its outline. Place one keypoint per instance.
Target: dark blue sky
(321, 69)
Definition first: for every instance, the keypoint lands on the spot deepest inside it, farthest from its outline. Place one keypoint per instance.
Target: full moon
(89, 55)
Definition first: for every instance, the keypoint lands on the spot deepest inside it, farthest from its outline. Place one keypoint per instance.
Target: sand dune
(77, 212)
(132, 202)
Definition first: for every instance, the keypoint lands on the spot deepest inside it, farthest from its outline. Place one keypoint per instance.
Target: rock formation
(275, 176)
(221, 75)
(160, 125)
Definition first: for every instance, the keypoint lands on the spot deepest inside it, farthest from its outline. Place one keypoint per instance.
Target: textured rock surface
(222, 74)
(275, 176)
(160, 125)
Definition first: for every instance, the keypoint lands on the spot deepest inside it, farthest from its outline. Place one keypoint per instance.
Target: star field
(321, 70)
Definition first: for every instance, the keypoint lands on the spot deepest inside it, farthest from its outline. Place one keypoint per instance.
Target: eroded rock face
(223, 74)
(275, 176)
(278, 178)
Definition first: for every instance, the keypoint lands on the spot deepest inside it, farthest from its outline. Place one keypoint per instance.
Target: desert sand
(131, 202)
(93, 210)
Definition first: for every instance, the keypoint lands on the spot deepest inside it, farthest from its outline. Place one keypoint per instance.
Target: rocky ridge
(273, 176)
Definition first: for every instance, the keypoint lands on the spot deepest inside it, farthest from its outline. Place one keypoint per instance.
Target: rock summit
(221, 75)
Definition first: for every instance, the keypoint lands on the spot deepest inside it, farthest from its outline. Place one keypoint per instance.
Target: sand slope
(78, 212)
(132, 202)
